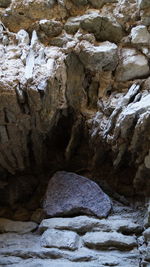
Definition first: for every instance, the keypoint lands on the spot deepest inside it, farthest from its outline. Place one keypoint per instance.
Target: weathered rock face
(70, 194)
(74, 95)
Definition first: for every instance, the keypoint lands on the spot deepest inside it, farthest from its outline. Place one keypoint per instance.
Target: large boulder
(70, 194)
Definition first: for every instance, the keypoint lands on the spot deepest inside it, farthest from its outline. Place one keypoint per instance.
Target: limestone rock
(16, 226)
(82, 224)
(104, 240)
(23, 37)
(140, 35)
(132, 65)
(60, 239)
(98, 58)
(79, 224)
(69, 193)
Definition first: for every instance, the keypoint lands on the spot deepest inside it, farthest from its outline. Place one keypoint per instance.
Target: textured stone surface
(69, 193)
(105, 240)
(82, 224)
(140, 34)
(27, 249)
(60, 239)
(103, 27)
(98, 58)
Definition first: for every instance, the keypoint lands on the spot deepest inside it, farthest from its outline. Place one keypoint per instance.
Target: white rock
(34, 40)
(16, 226)
(30, 63)
(84, 224)
(79, 223)
(23, 37)
(60, 239)
(140, 34)
(107, 240)
(132, 65)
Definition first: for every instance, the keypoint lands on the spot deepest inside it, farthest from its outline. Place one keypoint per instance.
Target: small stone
(23, 37)
(103, 240)
(72, 25)
(69, 193)
(60, 239)
(51, 28)
(140, 35)
(16, 226)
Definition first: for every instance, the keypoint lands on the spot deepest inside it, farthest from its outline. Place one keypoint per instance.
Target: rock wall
(74, 94)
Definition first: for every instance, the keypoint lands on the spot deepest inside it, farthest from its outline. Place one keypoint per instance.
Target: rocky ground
(120, 240)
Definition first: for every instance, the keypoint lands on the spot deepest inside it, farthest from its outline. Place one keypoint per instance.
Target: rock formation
(75, 96)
